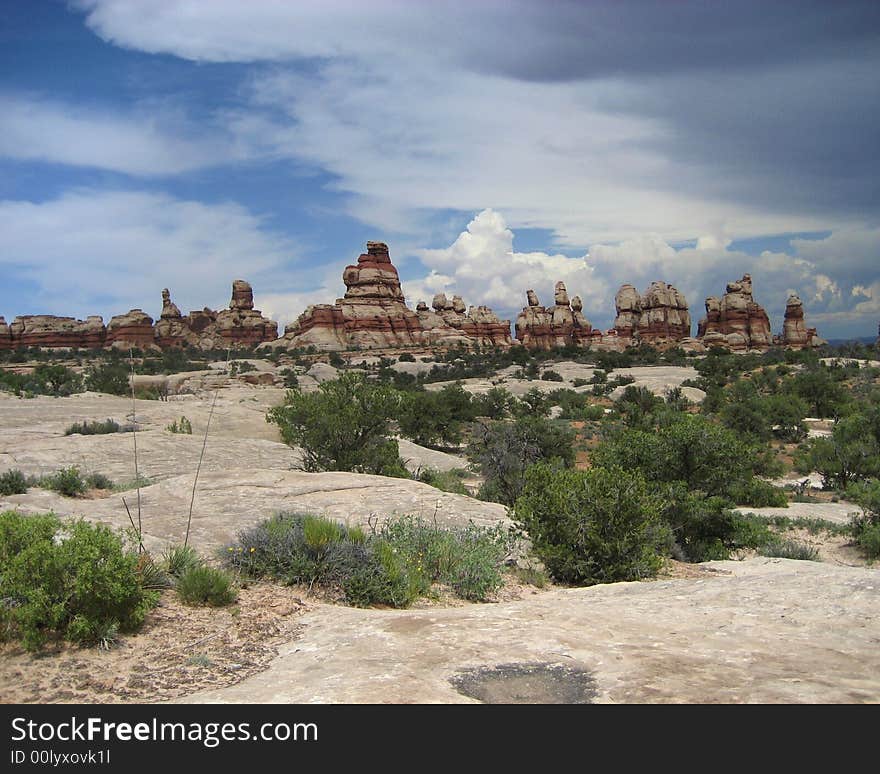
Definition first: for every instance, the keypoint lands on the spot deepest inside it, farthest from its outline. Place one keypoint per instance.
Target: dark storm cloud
(562, 40)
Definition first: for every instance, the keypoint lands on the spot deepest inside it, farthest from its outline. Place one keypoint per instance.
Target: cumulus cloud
(99, 252)
(143, 143)
(483, 267)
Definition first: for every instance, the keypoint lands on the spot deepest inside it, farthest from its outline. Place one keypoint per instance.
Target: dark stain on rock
(530, 683)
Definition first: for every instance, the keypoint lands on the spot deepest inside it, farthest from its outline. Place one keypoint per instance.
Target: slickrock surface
(762, 630)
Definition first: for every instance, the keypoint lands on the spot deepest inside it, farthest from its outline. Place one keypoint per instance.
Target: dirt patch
(527, 684)
(180, 650)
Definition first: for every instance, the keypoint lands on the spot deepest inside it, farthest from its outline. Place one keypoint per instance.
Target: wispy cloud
(143, 143)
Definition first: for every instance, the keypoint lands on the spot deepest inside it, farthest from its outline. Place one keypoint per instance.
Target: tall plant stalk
(202, 457)
(137, 477)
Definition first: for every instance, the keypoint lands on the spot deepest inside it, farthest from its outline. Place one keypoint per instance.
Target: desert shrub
(505, 450)
(468, 559)
(406, 357)
(290, 378)
(68, 482)
(76, 582)
(204, 585)
(850, 454)
(393, 565)
(706, 528)
(551, 376)
(134, 483)
(178, 560)
(445, 480)
(868, 538)
(688, 448)
(494, 404)
(93, 428)
(152, 574)
(789, 549)
(241, 367)
(342, 426)
(381, 579)
(13, 482)
(593, 526)
(429, 418)
(110, 378)
(758, 494)
(182, 426)
(98, 481)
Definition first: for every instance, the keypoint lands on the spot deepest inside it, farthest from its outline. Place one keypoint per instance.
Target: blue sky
(496, 146)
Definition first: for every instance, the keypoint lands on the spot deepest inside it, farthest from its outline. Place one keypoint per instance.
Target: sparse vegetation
(94, 428)
(180, 426)
(392, 565)
(204, 585)
(13, 482)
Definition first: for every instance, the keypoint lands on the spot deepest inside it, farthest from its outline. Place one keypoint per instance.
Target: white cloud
(105, 252)
(150, 142)
(482, 266)
(396, 106)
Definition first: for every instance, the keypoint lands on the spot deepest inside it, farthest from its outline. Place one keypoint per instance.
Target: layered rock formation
(562, 324)
(238, 326)
(449, 322)
(373, 315)
(735, 320)
(41, 330)
(795, 333)
(659, 317)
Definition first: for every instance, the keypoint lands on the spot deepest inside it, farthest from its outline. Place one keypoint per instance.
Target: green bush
(505, 450)
(68, 482)
(98, 481)
(93, 428)
(446, 480)
(182, 426)
(178, 560)
(706, 528)
(789, 549)
(551, 376)
(75, 581)
(594, 526)
(868, 539)
(204, 585)
(110, 378)
(342, 426)
(13, 482)
(758, 494)
(392, 566)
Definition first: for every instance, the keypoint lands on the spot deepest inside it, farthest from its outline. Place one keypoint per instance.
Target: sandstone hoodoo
(795, 333)
(373, 315)
(736, 321)
(659, 317)
(562, 324)
(238, 326)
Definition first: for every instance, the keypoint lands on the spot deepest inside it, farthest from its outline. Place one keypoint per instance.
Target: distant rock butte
(738, 323)
(373, 315)
(795, 334)
(563, 324)
(238, 326)
(659, 317)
